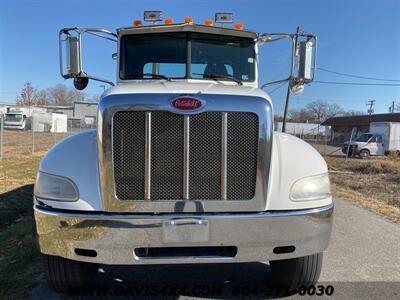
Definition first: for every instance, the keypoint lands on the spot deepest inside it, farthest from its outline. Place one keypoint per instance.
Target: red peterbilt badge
(186, 103)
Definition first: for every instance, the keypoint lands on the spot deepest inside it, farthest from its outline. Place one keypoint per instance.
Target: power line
(357, 83)
(357, 76)
(277, 88)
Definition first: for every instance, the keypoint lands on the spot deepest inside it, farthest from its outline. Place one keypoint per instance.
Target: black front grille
(129, 154)
(242, 155)
(167, 155)
(205, 154)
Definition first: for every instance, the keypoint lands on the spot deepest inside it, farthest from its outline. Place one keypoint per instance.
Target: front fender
(76, 158)
(291, 160)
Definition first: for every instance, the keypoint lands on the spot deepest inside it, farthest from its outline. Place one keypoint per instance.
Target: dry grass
(17, 143)
(20, 266)
(372, 184)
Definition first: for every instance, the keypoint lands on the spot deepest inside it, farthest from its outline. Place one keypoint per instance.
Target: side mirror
(71, 56)
(306, 64)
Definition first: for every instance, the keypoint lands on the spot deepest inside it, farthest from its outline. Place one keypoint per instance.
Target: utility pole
(391, 108)
(104, 87)
(371, 103)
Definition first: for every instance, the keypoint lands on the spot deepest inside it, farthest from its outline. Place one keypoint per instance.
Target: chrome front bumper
(112, 239)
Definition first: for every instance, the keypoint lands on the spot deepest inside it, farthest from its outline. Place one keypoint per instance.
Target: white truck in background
(18, 118)
(383, 138)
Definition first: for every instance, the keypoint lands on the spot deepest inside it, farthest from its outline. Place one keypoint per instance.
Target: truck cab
(184, 166)
(15, 119)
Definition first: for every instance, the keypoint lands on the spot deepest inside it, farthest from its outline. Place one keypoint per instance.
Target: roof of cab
(187, 27)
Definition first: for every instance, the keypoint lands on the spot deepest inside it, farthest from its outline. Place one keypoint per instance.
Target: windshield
(13, 117)
(187, 55)
(364, 137)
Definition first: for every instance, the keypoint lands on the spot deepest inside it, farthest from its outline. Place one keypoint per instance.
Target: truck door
(375, 145)
(380, 147)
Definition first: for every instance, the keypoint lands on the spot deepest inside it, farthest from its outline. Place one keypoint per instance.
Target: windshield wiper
(217, 77)
(159, 76)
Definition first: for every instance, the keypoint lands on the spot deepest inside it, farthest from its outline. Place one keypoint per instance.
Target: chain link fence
(37, 133)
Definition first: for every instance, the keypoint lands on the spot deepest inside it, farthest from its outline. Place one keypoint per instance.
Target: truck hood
(184, 87)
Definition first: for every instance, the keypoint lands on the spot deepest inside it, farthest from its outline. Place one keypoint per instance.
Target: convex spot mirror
(296, 88)
(81, 82)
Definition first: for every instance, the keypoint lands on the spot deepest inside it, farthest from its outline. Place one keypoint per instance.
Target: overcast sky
(360, 37)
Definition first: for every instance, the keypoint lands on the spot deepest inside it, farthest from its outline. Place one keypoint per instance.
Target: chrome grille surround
(218, 104)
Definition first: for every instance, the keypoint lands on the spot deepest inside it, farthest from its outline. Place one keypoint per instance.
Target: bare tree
(321, 110)
(95, 98)
(354, 113)
(300, 115)
(28, 95)
(63, 95)
(334, 110)
(42, 97)
(318, 110)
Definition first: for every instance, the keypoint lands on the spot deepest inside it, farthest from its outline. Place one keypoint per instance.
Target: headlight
(54, 187)
(311, 188)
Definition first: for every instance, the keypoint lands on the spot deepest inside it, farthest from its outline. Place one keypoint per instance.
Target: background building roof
(362, 119)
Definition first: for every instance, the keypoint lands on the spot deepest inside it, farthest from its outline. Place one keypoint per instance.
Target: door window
(378, 139)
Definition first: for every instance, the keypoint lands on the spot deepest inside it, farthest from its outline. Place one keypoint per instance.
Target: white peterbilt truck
(184, 166)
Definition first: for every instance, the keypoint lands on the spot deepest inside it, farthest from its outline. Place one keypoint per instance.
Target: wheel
(364, 153)
(349, 153)
(63, 274)
(297, 272)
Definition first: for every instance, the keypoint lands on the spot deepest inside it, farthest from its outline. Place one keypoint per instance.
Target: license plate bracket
(179, 231)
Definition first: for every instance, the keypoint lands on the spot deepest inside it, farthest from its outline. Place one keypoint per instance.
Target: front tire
(294, 273)
(364, 153)
(63, 274)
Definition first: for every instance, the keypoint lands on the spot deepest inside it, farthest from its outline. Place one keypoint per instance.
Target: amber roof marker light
(238, 26)
(169, 21)
(137, 23)
(208, 22)
(188, 20)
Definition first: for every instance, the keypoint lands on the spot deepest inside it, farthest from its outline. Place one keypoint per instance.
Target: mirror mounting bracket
(79, 32)
(294, 38)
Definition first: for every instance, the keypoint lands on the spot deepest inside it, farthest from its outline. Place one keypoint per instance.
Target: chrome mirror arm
(98, 32)
(274, 37)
